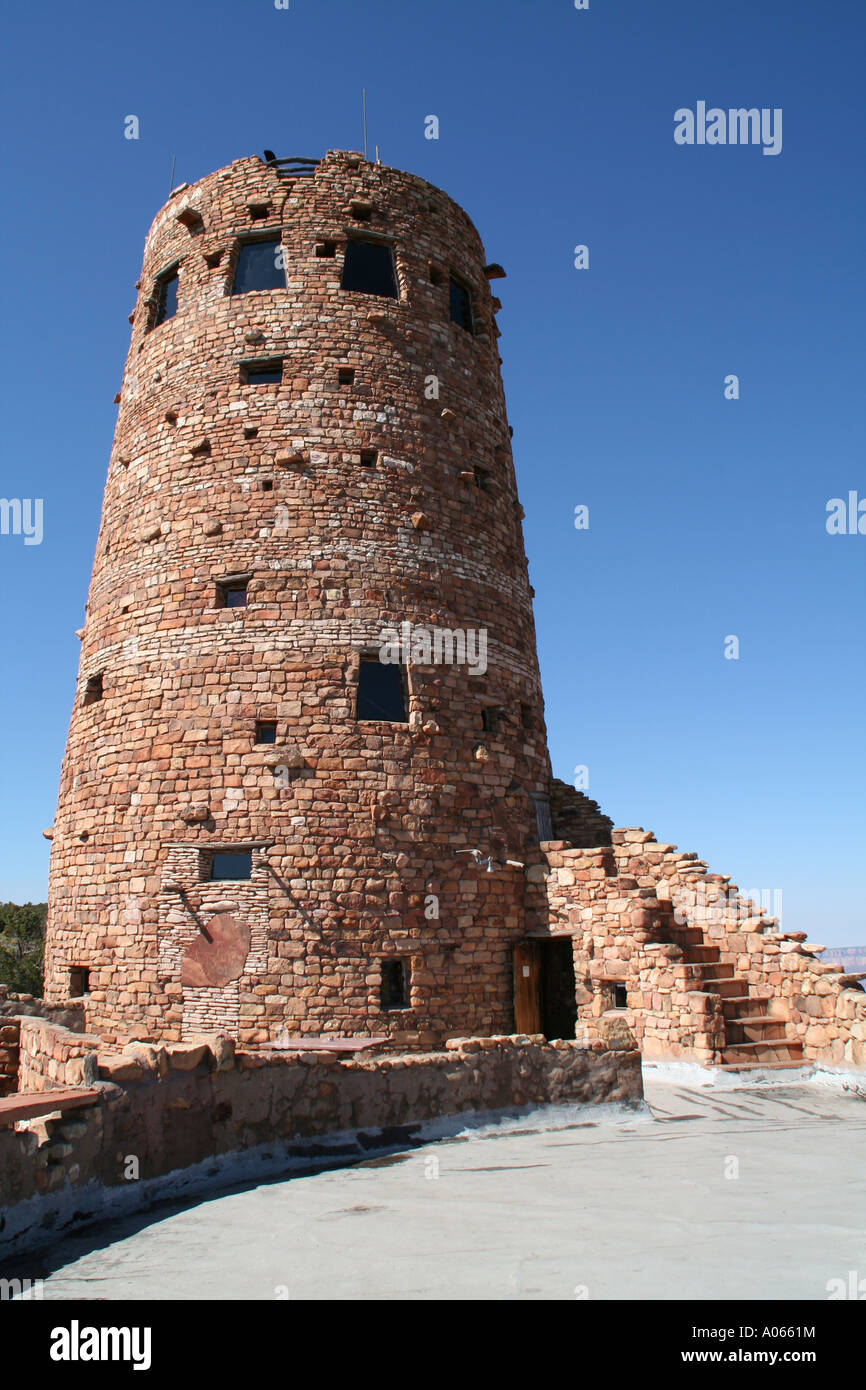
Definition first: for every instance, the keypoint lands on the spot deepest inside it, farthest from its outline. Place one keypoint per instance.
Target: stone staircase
(754, 1039)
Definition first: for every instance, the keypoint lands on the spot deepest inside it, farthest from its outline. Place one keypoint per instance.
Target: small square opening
(326, 250)
(482, 478)
(368, 458)
(361, 210)
(437, 275)
(79, 981)
(395, 983)
(267, 484)
(620, 997)
(93, 689)
(232, 593)
(266, 731)
(346, 376)
(258, 211)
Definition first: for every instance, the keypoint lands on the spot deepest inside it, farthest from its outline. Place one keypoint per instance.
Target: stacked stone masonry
(362, 485)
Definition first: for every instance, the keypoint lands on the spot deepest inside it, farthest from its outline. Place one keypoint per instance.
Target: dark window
(326, 249)
(79, 981)
(368, 458)
(346, 376)
(490, 720)
(232, 593)
(259, 267)
(232, 864)
(258, 211)
(437, 276)
(266, 731)
(542, 818)
(382, 691)
(369, 267)
(93, 689)
(482, 478)
(461, 305)
(361, 211)
(620, 997)
(166, 297)
(526, 716)
(267, 484)
(262, 373)
(395, 983)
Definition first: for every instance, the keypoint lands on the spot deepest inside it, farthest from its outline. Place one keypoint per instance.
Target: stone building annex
(276, 854)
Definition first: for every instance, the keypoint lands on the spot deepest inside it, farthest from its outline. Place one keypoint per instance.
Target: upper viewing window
(259, 266)
(382, 691)
(166, 296)
(461, 305)
(227, 864)
(262, 373)
(369, 267)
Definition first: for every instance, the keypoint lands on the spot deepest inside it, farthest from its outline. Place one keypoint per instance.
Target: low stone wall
(69, 1015)
(53, 1057)
(164, 1108)
(9, 1048)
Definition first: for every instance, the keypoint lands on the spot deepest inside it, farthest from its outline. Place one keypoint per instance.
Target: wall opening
(79, 981)
(368, 266)
(395, 983)
(461, 305)
(259, 266)
(382, 691)
(231, 864)
(165, 296)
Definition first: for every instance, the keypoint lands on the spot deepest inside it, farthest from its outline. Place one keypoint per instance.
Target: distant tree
(22, 946)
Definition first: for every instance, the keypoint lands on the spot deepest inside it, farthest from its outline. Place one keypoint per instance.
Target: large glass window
(259, 266)
(369, 266)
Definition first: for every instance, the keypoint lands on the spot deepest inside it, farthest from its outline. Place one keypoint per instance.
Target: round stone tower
(308, 730)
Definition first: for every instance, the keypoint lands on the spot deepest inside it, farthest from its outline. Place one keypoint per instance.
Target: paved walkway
(707, 1194)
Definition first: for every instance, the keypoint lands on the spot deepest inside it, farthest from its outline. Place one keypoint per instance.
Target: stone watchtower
(262, 825)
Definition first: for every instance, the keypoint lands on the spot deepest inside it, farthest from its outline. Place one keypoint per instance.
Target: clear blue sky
(707, 516)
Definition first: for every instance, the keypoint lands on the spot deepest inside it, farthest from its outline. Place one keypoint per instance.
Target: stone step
(764, 1066)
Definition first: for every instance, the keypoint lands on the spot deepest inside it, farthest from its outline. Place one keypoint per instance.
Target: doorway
(544, 987)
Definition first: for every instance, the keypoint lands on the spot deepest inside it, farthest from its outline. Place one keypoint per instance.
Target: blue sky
(707, 516)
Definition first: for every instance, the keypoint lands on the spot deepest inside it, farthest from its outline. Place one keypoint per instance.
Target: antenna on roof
(171, 176)
(364, 100)
(378, 160)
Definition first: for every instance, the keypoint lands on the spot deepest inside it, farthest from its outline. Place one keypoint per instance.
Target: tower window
(437, 276)
(79, 981)
(542, 818)
(93, 689)
(166, 297)
(326, 250)
(369, 267)
(620, 997)
(526, 719)
(491, 720)
(266, 731)
(346, 376)
(361, 211)
(258, 211)
(232, 593)
(368, 458)
(461, 305)
(482, 478)
(395, 983)
(382, 691)
(259, 266)
(262, 373)
(233, 864)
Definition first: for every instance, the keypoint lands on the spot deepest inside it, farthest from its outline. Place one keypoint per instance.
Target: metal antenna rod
(171, 178)
(364, 98)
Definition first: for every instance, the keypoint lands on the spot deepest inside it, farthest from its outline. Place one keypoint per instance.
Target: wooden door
(527, 987)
